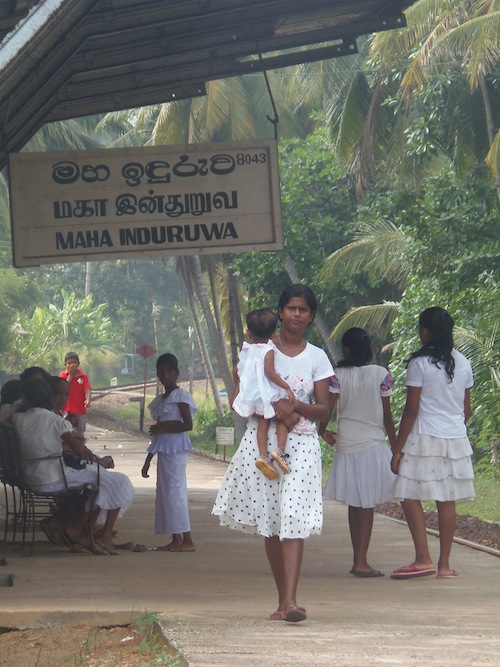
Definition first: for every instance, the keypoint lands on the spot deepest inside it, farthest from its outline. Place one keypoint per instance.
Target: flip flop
(295, 614)
(412, 571)
(452, 575)
(277, 616)
(368, 575)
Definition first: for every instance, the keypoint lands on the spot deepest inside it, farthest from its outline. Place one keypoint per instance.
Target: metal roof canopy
(62, 59)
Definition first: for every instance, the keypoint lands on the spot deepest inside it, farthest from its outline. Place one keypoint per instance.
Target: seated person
(10, 394)
(41, 434)
(60, 391)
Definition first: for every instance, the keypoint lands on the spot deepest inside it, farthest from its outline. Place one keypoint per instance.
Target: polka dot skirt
(290, 506)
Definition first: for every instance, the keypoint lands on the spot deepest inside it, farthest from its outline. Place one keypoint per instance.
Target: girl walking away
(288, 509)
(258, 385)
(432, 456)
(360, 476)
(174, 411)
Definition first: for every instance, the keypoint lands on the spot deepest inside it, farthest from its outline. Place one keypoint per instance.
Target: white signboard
(224, 436)
(159, 200)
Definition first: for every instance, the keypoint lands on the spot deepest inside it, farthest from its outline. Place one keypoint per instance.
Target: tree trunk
(236, 334)
(186, 279)
(215, 336)
(89, 272)
(319, 323)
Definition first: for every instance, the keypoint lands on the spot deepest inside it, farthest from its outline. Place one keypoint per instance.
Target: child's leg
(360, 526)
(262, 462)
(281, 435)
(446, 522)
(262, 431)
(278, 455)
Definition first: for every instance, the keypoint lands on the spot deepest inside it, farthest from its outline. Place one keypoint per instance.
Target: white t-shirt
(360, 412)
(441, 411)
(301, 372)
(39, 432)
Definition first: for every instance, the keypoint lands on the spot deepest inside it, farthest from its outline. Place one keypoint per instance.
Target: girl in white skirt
(174, 411)
(360, 476)
(432, 456)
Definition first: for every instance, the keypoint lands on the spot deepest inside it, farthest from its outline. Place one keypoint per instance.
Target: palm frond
(493, 157)
(378, 251)
(376, 319)
(483, 354)
(355, 109)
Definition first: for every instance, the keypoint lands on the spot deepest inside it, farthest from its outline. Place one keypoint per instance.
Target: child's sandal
(279, 459)
(266, 468)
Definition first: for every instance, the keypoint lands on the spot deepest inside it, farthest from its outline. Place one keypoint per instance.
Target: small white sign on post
(224, 437)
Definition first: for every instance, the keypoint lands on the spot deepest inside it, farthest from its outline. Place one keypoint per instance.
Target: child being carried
(258, 386)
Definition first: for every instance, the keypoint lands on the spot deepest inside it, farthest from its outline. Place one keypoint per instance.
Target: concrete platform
(215, 603)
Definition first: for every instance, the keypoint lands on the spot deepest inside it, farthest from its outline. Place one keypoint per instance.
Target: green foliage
(17, 292)
(153, 645)
(51, 330)
(318, 205)
(205, 423)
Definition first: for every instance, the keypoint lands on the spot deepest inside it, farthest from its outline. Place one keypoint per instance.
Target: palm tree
(417, 78)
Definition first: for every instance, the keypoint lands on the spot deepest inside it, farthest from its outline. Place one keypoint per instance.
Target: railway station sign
(150, 201)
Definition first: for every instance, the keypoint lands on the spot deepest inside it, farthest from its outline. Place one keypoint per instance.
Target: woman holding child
(288, 509)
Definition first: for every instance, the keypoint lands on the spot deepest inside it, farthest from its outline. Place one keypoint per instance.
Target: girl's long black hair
(440, 323)
(358, 342)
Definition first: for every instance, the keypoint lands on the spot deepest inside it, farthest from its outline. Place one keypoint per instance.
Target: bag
(72, 460)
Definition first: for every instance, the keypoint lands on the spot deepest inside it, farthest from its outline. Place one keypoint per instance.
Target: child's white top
(256, 392)
(167, 409)
(441, 411)
(360, 413)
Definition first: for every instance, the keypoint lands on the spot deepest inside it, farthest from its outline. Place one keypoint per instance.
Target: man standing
(79, 391)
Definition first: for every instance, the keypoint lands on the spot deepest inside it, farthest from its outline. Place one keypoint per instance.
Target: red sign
(146, 351)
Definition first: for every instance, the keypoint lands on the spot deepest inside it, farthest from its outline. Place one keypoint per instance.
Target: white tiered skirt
(435, 468)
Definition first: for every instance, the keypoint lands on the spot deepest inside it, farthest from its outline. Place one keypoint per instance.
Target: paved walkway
(215, 602)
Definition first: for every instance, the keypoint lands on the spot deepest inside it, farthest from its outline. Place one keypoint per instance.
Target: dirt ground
(81, 645)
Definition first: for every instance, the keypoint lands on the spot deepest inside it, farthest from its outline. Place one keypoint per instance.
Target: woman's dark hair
(34, 370)
(299, 291)
(440, 325)
(54, 382)
(169, 360)
(358, 342)
(37, 393)
(262, 322)
(10, 392)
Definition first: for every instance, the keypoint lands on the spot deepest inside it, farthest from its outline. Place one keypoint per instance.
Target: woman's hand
(283, 409)
(395, 461)
(329, 437)
(155, 429)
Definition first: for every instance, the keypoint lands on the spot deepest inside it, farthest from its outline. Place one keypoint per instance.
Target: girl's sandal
(266, 468)
(279, 458)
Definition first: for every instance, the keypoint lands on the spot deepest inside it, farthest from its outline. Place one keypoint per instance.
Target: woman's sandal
(295, 614)
(277, 616)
